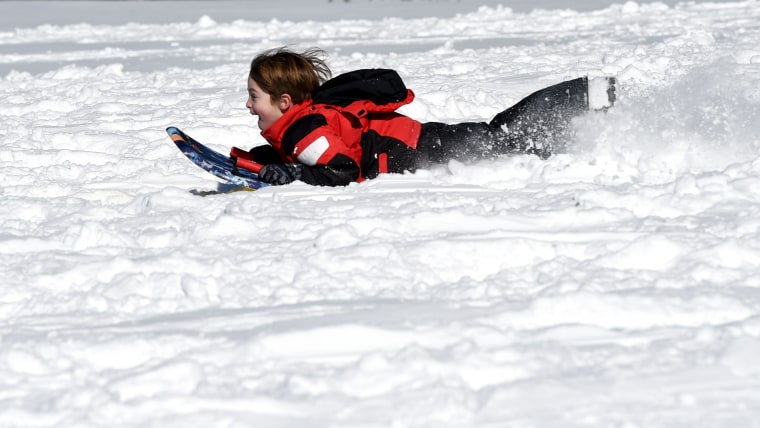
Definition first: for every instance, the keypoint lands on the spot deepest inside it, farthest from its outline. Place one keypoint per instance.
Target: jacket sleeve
(265, 154)
(325, 156)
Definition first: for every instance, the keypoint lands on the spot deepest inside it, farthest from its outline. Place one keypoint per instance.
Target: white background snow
(614, 285)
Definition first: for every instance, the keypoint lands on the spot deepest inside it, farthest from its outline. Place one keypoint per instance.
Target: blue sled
(214, 162)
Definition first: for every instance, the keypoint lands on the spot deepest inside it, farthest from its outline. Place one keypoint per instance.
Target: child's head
(281, 71)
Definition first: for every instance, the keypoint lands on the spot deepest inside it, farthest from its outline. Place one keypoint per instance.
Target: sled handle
(242, 159)
(237, 152)
(247, 164)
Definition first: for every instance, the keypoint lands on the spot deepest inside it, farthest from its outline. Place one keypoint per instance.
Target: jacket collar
(274, 133)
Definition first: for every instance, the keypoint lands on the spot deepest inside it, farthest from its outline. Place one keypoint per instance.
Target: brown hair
(281, 71)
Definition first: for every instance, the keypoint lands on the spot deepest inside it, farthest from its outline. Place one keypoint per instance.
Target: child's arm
(340, 172)
(317, 175)
(264, 154)
(319, 154)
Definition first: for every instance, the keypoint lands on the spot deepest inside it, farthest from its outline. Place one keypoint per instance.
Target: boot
(601, 93)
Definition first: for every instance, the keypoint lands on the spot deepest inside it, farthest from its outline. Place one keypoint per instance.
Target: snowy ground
(615, 285)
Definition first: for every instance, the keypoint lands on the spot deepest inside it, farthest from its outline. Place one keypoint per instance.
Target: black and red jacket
(350, 130)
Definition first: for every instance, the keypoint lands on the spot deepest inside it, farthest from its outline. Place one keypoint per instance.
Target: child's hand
(279, 174)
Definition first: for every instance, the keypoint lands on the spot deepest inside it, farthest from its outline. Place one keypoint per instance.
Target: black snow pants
(537, 124)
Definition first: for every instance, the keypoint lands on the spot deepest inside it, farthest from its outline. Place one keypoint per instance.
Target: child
(333, 132)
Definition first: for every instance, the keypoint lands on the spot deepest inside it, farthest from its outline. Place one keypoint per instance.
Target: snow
(616, 284)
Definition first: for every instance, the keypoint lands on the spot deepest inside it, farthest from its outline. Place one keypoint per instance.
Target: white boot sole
(601, 93)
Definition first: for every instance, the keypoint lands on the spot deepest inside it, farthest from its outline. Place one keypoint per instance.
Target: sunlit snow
(616, 284)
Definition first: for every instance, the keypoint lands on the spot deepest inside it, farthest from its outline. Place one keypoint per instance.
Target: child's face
(260, 104)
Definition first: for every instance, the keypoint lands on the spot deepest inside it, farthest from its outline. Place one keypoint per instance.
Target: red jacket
(350, 130)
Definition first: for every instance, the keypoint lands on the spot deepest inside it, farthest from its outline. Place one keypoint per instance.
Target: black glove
(279, 174)
(265, 154)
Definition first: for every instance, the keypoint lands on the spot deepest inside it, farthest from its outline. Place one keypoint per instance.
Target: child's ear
(286, 102)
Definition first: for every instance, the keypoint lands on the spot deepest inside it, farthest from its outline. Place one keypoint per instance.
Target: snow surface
(614, 285)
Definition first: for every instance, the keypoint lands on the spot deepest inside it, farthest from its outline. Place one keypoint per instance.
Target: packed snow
(616, 284)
